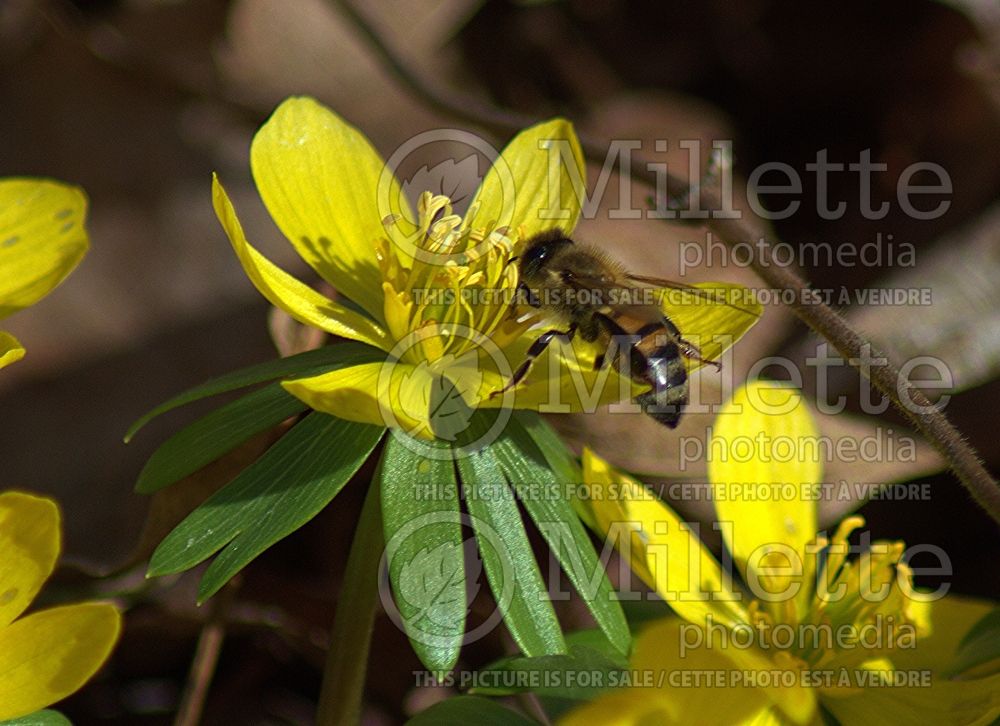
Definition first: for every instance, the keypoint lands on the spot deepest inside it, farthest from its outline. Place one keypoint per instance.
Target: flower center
(846, 611)
(457, 291)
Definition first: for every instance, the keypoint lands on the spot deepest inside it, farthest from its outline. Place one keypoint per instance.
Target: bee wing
(625, 303)
(711, 315)
(719, 294)
(610, 289)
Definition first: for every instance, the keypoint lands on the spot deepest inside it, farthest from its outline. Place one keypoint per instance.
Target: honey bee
(592, 295)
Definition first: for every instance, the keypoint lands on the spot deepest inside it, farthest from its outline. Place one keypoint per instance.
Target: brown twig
(931, 422)
(206, 658)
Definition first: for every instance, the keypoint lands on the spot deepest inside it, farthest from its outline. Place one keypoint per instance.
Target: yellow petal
(763, 459)
(768, 716)
(704, 320)
(570, 391)
(664, 690)
(284, 291)
(51, 654)
(320, 179)
(661, 548)
(942, 625)
(397, 396)
(29, 547)
(537, 183)
(11, 349)
(563, 380)
(623, 707)
(931, 699)
(42, 238)
(794, 699)
(668, 646)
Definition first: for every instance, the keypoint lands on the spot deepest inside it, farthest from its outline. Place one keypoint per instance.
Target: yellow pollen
(467, 293)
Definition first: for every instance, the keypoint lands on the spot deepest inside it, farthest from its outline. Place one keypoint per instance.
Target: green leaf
(558, 457)
(591, 639)
(980, 645)
(423, 532)
(210, 437)
(546, 500)
(595, 639)
(271, 498)
(640, 613)
(510, 564)
(581, 675)
(465, 710)
(312, 362)
(47, 717)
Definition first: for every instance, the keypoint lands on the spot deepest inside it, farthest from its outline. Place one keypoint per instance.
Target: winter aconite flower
(42, 238)
(427, 303)
(815, 631)
(49, 654)
(433, 291)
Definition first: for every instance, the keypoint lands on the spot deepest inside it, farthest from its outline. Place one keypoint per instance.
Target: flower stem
(854, 347)
(206, 658)
(350, 637)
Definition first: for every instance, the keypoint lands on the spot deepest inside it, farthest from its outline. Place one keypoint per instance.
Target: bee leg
(690, 350)
(535, 350)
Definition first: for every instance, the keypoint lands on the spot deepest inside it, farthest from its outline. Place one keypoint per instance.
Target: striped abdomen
(646, 349)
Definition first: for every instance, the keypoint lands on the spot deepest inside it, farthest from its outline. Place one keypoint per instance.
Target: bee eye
(537, 253)
(531, 261)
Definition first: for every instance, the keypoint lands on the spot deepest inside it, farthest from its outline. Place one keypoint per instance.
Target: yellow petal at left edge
(29, 547)
(328, 190)
(764, 457)
(11, 349)
(48, 655)
(291, 295)
(384, 394)
(537, 183)
(42, 238)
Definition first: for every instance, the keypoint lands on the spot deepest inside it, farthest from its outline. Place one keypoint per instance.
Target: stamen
(838, 550)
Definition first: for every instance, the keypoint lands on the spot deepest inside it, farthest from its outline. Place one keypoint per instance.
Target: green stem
(350, 637)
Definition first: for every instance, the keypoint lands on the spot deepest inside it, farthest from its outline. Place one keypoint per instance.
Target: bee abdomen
(666, 372)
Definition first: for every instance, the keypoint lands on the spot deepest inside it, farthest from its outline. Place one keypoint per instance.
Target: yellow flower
(813, 627)
(47, 655)
(432, 291)
(42, 238)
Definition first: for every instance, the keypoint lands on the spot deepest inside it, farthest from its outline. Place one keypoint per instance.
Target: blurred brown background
(139, 101)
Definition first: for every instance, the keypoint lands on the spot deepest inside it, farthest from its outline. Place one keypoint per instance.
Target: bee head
(539, 250)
